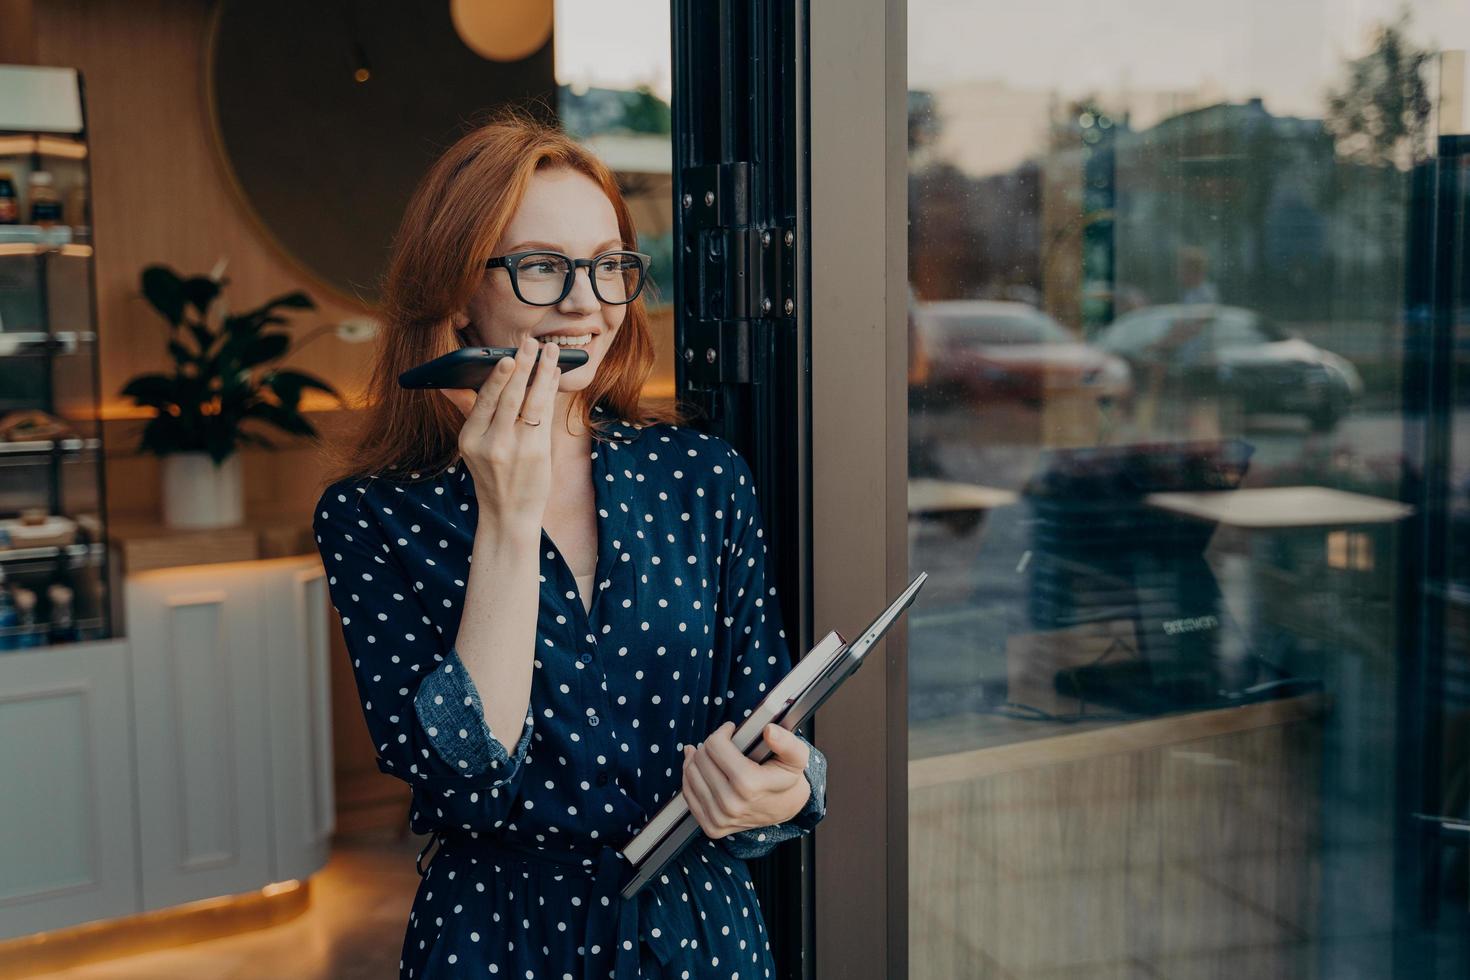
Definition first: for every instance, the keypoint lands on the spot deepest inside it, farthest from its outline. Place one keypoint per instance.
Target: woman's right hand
(510, 461)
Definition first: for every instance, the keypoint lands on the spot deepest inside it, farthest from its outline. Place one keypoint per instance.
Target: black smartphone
(468, 367)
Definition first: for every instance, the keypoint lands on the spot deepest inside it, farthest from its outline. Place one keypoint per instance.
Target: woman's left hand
(728, 793)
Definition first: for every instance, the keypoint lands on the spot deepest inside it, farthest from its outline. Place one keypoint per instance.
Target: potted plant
(222, 379)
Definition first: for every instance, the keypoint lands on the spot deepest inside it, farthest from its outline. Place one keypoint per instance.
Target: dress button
(602, 779)
(586, 658)
(594, 721)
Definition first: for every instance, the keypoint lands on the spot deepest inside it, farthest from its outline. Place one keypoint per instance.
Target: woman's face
(564, 211)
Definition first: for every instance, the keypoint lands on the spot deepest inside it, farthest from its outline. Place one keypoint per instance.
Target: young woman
(556, 615)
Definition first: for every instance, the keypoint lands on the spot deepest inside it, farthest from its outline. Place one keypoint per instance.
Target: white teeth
(567, 340)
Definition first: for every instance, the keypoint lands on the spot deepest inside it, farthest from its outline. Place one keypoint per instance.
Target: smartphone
(468, 367)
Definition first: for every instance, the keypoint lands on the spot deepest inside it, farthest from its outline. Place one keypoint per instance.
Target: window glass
(1189, 686)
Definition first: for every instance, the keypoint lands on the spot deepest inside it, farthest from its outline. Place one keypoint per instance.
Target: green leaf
(236, 393)
(162, 435)
(219, 441)
(288, 385)
(203, 337)
(266, 347)
(153, 390)
(164, 289)
(251, 323)
(297, 300)
(200, 292)
(182, 354)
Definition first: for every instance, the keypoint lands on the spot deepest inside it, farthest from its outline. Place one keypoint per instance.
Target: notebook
(789, 704)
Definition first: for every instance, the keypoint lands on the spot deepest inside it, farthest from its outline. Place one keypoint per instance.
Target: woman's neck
(570, 439)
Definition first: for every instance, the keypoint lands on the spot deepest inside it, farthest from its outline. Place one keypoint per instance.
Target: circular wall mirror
(327, 114)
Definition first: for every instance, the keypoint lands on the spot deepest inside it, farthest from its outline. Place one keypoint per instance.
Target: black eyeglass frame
(510, 260)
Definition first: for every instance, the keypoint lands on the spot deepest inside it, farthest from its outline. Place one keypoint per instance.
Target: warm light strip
(53, 146)
(32, 248)
(148, 932)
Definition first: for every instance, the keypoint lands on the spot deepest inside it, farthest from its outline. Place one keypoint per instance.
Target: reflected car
(986, 351)
(1230, 350)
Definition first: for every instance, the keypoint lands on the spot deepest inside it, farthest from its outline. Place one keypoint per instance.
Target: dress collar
(621, 429)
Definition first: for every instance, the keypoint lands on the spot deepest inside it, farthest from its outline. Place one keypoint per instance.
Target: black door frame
(739, 175)
(812, 96)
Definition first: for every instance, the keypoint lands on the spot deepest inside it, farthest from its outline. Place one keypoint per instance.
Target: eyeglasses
(542, 278)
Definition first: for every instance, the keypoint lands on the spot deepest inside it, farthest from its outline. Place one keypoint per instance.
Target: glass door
(1188, 693)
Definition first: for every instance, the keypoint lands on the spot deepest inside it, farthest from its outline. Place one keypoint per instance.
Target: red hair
(452, 223)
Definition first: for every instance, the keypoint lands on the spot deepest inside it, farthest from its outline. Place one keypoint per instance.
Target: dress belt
(608, 914)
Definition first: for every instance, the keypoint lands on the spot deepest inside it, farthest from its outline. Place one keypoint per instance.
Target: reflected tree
(1380, 113)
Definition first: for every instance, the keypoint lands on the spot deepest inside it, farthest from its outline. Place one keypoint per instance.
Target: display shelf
(49, 375)
(30, 343)
(40, 237)
(48, 146)
(29, 637)
(46, 447)
(75, 555)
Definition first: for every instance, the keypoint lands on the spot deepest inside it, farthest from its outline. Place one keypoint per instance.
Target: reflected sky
(596, 48)
(1281, 52)
(1000, 70)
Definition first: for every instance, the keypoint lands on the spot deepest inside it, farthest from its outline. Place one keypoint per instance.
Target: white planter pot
(199, 494)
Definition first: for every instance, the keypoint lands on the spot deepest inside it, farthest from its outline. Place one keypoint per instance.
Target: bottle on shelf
(45, 202)
(9, 618)
(25, 609)
(63, 625)
(9, 200)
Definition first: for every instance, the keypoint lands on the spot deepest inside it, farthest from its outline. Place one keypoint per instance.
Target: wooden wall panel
(18, 39)
(161, 194)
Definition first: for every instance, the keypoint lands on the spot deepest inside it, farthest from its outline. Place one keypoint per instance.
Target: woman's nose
(582, 297)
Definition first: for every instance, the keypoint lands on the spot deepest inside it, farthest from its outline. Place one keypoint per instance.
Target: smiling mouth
(568, 340)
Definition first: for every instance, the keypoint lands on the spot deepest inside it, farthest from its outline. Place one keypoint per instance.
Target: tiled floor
(359, 910)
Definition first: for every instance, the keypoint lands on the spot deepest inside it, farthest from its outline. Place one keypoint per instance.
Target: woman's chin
(577, 378)
(571, 388)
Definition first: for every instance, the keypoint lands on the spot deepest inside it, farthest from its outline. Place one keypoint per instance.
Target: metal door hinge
(738, 273)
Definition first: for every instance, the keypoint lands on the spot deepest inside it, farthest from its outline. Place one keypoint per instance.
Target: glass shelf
(24, 343)
(41, 238)
(75, 556)
(50, 382)
(46, 447)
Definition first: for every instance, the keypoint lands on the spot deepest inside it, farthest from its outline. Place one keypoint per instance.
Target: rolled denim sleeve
(759, 841)
(453, 717)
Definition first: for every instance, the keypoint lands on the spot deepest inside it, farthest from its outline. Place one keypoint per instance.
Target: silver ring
(521, 418)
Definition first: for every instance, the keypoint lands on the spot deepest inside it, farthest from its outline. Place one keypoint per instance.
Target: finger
(787, 750)
(487, 398)
(745, 778)
(691, 796)
(696, 775)
(513, 395)
(541, 400)
(727, 801)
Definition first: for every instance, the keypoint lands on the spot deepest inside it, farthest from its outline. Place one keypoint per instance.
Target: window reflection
(1189, 686)
(614, 88)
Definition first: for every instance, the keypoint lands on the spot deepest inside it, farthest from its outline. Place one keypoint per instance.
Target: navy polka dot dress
(683, 633)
